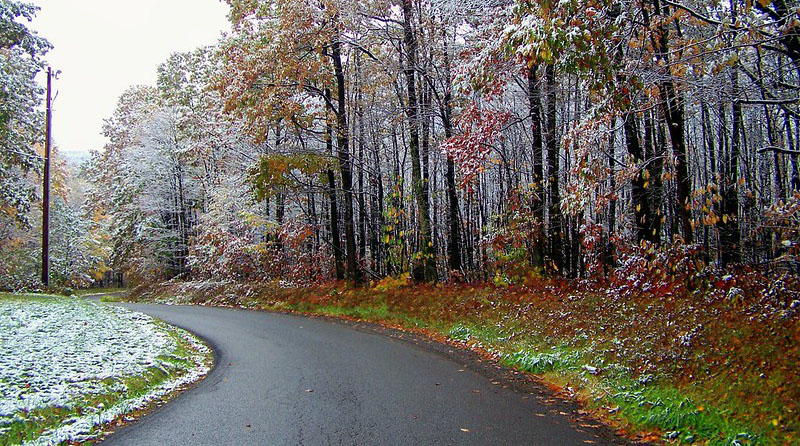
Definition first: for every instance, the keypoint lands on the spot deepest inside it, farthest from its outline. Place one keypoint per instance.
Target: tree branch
(778, 149)
(700, 16)
(768, 101)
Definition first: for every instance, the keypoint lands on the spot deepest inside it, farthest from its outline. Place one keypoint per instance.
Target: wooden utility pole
(46, 190)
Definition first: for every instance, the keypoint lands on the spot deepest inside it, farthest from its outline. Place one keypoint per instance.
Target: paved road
(290, 380)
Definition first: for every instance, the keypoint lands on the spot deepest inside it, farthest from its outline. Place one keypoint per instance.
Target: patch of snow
(54, 350)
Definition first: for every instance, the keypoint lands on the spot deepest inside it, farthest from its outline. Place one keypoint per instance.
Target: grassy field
(664, 365)
(69, 367)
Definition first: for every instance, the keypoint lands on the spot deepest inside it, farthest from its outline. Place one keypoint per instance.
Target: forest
(461, 142)
(449, 141)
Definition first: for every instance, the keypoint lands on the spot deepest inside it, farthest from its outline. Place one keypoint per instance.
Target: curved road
(290, 380)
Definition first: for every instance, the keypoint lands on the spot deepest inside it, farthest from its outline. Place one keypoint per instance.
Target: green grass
(112, 299)
(31, 425)
(666, 408)
(24, 296)
(96, 291)
(644, 404)
(379, 313)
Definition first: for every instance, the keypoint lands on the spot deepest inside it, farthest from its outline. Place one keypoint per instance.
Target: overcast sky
(104, 46)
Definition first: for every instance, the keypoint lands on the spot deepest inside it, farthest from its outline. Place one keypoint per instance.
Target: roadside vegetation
(711, 364)
(84, 292)
(69, 368)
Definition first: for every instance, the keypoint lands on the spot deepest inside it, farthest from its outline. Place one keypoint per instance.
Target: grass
(97, 291)
(380, 313)
(660, 363)
(640, 404)
(31, 425)
(121, 391)
(111, 299)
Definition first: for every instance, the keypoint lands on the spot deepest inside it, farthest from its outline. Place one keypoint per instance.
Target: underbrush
(710, 361)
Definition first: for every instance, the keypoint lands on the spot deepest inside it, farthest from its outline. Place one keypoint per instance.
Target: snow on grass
(68, 366)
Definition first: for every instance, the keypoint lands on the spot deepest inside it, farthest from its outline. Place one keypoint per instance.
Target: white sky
(104, 46)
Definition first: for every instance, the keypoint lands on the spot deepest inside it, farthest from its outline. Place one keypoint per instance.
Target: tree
(425, 265)
(145, 182)
(20, 121)
(283, 57)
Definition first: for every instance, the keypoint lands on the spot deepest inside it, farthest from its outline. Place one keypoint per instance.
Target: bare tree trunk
(336, 240)
(554, 211)
(645, 229)
(535, 109)
(730, 239)
(362, 211)
(345, 165)
(425, 268)
(454, 235)
(795, 182)
(673, 106)
(711, 168)
(654, 150)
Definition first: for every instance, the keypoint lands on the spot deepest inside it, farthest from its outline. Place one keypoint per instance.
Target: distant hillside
(75, 158)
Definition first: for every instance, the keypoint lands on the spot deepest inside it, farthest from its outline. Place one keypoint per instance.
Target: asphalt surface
(290, 380)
